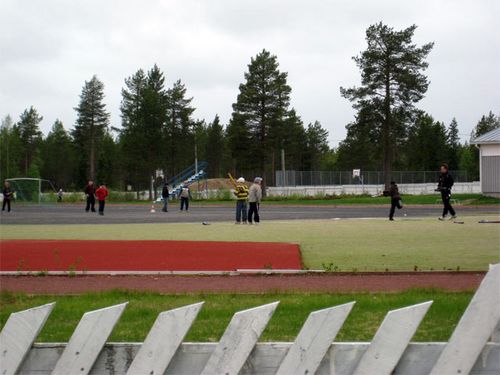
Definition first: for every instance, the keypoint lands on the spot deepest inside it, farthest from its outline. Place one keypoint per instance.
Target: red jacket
(101, 193)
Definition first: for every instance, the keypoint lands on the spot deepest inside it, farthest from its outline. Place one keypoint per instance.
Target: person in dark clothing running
(164, 194)
(90, 194)
(393, 192)
(7, 196)
(445, 184)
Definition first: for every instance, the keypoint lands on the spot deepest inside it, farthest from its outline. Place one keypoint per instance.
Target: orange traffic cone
(152, 210)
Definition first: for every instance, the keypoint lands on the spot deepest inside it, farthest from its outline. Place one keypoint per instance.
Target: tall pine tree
(391, 83)
(30, 136)
(261, 107)
(91, 125)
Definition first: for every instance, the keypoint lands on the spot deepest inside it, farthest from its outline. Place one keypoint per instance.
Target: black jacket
(445, 182)
(164, 192)
(90, 190)
(394, 192)
(7, 193)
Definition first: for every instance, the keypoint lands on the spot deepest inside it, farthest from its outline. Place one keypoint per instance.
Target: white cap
(240, 180)
(257, 179)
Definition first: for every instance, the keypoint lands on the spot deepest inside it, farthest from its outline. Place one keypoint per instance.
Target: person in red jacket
(101, 195)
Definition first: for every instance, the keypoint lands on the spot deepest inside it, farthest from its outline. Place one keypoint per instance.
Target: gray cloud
(49, 48)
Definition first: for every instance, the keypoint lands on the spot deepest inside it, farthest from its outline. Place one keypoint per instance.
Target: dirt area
(326, 283)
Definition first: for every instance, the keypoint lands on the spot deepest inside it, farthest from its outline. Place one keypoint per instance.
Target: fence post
(87, 340)
(18, 334)
(474, 328)
(238, 340)
(316, 337)
(163, 340)
(391, 340)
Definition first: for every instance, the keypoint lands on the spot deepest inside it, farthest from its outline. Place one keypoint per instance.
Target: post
(283, 169)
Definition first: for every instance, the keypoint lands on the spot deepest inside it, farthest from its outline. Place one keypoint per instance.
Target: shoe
(391, 219)
(442, 218)
(93, 210)
(453, 217)
(101, 213)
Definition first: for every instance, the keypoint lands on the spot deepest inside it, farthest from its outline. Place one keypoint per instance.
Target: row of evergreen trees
(158, 130)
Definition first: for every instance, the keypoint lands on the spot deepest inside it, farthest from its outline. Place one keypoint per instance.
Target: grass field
(345, 245)
(366, 316)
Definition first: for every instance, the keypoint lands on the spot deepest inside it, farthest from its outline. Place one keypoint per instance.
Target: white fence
(414, 189)
(237, 352)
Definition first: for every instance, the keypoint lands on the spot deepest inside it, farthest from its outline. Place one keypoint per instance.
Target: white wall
(415, 189)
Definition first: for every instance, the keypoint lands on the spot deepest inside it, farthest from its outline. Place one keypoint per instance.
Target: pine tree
(453, 143)
(317, 145)
(215, 148)
(427, 144)
(391, 83)
(180, 127)
(91, 126)
(261, 108)
(11, 150)
(58, 161)
(30, 136)
(486, 124)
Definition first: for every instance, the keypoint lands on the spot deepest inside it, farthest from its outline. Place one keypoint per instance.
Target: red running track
(74, 255)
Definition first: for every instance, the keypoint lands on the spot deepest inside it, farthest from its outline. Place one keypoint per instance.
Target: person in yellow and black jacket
(241, 192)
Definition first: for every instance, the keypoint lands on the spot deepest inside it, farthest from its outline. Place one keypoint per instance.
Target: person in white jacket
(254, 198)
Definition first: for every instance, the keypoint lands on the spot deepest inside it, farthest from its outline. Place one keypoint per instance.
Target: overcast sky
(49, 48)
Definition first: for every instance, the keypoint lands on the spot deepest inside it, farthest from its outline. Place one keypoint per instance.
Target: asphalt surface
(133, 213)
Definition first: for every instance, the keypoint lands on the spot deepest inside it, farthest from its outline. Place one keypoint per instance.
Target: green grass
(366, 316)
(346, 245)
(467, 199)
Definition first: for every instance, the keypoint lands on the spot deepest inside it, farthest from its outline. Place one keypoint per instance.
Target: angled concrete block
(314, 340)
(238, 340)
(474, 328)
(163, 340)
(18, 334)
(391, 340)
(88, 340)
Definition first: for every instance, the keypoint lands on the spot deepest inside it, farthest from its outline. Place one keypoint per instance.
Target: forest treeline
(159, 132)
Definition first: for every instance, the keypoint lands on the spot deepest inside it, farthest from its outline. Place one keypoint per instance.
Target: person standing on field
(395, 199)
(101, 195)
(7, 196)
(254, 198)
(90, 194)
(241, 192)
(164, 194)
(185, 196)
(445, 184)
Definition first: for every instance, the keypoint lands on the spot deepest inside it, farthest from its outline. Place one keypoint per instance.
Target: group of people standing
(184, 195)
(92, 193)
(251, 196)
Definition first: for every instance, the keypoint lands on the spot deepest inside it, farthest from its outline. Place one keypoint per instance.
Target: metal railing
(322, 178)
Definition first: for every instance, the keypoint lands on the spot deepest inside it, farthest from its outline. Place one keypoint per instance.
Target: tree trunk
(387, 134)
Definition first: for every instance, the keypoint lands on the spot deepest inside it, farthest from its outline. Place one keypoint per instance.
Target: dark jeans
(6, 202)
(253, 212)
(165, 204)
(241, 211)
(90, 203)
(101, 207)
(184, 202)
(446, 196)
(395, 203)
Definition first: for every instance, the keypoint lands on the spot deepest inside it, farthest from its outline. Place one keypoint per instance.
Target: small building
(489, 162)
